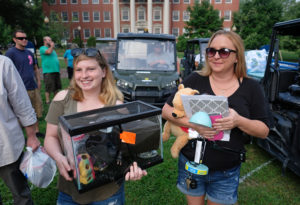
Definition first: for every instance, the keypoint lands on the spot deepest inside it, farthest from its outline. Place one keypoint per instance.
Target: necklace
(222, 90)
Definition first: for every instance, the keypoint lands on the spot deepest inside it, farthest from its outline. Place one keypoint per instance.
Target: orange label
(128, 137)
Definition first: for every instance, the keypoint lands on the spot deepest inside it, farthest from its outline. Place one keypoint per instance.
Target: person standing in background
(15, 111)
(23, 60)
(50, 66)
(69, 59)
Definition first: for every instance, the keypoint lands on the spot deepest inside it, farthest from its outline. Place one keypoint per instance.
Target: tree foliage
(255, 20)
(5, 34)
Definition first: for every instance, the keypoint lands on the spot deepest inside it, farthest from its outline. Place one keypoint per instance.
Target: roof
(290, 27)
(146, 36)
(196, 40)
(106, 39)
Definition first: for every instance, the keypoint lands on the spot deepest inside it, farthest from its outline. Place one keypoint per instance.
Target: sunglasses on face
(90, 52)
(21, 38)
(223, 52)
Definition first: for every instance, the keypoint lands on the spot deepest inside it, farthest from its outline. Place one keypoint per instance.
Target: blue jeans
(117, 199)
(219, 186)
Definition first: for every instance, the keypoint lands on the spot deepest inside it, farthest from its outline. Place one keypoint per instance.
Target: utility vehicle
(146, 67)
(107, 47)
(281, 83)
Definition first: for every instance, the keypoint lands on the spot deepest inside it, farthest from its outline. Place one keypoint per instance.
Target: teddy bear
(181, 133)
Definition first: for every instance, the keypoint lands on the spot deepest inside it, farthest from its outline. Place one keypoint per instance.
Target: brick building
(106, 18)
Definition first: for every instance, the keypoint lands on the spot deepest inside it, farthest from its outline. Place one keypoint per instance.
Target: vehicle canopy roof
(146, 36)
(196, 40)
(106, 39)
(290, 27)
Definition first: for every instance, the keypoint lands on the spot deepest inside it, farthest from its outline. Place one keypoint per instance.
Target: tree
(204, 20)
(255, 20)
(5, 34)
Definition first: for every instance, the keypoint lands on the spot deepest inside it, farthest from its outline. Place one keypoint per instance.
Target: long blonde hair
(240, 69)
(109, 93)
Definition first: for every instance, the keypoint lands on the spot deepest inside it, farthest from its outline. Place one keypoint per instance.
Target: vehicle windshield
(146, 55)
(108, 50)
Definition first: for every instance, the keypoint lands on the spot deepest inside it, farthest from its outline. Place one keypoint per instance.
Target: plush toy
(181, 133)
(86, 172)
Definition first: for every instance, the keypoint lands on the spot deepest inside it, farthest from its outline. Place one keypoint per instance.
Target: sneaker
(39, 134)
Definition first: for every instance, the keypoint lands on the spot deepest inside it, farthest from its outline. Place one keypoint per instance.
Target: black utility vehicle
(107, 46)
(146, 67)
(195, 47)
(281, 83)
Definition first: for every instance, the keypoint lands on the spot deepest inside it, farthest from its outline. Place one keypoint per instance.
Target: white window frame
(84, 1)
(173, 15)
(186, 16)
(227, 19)
(86, 31)
(123, 10)
(106, 2)
(84, 17)
(157, 27)
(54, 16)
(95, 1)
(218, 1)
(176, 1)
(157, 9)
(66, 34)
(176, 31)
(74, 1)
(75, 31)
(52, 3)
(228, 1)
(62, 16)
(125, 28)
(73, 12)
(95, 32)
(107, 29)
(186, 1)
(96, 20)
(63, 3)
(104, 16)
(143, 10)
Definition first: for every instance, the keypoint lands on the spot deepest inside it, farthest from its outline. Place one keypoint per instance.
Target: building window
(186, 16)
(186, 1)
(64, 16)
(176, 1)
(95, 2)
(66, 34)
(76, 33)
(228, 1)
(105, 1)
(157, 14)
(52, 2)
(84, 1)
(96, 16)
(175, 15)
(86, 16)
(107, 33)
(74, 2)
(86, 33)
(125, 29)
(227, 15)
(184, 30)
(125, 14)
(157, 30)
(141, 14)
(63, 1)
(218, 1)
(97, 32)
(75, 16)
(175, 31)
(106, 16)
(53, 16)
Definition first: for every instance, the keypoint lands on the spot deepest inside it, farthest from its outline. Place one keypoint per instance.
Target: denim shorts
(117, 199)
(219, 186)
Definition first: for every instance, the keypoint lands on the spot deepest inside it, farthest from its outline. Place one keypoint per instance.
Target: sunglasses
(90, 52)
(223, 52)
(21, 38)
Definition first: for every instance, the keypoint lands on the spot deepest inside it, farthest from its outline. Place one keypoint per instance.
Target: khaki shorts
(52, 82)
(36, 101)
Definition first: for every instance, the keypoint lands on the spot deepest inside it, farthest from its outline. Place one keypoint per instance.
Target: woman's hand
(64, 167)
(135, 173)
(206, 132)
(227, 123)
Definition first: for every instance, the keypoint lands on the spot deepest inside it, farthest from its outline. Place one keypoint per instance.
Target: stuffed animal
(181, 133)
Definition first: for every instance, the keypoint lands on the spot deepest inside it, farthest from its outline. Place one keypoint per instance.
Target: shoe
(39, 134)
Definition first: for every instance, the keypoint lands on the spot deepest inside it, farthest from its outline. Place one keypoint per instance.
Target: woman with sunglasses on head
(223, 75)
(92, 87)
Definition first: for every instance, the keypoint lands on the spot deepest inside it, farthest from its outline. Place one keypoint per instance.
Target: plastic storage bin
(101, 144)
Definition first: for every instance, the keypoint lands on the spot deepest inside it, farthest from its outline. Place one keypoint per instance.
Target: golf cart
(195, 48)
(281, 82)
(146, 67)
(107, 47)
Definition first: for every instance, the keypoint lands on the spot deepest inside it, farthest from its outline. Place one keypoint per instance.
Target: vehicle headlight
(124, 84)
(170, 85)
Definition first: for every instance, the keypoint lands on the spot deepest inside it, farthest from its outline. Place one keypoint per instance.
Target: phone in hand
(218, 136)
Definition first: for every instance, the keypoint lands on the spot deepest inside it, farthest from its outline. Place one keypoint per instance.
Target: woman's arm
(53, 148)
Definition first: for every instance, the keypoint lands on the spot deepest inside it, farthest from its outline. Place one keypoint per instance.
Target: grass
(266, 186)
